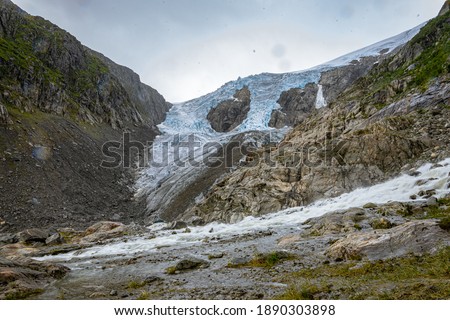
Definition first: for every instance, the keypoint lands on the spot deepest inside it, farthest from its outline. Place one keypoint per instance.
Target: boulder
(418, 237)
(21, 277)
(102, 231)
(432, 201)
(187, 264)
(176, 225)
(33, 235)
(8, 238)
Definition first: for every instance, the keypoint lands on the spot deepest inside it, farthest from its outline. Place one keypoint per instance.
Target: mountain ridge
(59, 103)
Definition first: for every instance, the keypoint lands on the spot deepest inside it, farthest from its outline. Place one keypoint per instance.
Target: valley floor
(396, 250)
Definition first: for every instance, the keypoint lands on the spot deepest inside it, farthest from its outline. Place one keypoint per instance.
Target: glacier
(163, 177)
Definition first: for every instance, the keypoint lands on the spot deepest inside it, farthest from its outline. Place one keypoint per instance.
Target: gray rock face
(296, 105)
(4, 116)
(411, 237)
(335, 81)
(228, 114)
(60, 102)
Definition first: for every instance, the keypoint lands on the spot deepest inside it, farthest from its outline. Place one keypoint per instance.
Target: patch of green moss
(144, 295)
(134, 284)
(397, 278)
(20, 53)
(171, 270)
(266, 260)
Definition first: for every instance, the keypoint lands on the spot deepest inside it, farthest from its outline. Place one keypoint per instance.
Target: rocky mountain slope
(59, 102)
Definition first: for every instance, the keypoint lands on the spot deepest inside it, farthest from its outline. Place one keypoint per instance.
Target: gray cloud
(186, 48)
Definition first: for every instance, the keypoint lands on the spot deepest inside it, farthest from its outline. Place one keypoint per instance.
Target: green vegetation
(381, 223)
(266, 260)
(424, 58)
(171, 270)
(410, 277)
(135, 284)
(144, 295)
(36, 49)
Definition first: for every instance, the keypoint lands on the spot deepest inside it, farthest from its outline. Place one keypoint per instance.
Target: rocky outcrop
(151, 106)
(4, 116)
(296, 105)
(228, 114)
(22, 277)
(416, 237)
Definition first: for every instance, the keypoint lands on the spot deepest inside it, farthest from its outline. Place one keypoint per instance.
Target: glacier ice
(189, 117)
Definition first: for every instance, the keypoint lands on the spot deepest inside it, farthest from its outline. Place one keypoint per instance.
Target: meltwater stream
(435, 177)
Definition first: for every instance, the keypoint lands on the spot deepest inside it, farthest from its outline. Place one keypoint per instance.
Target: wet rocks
(432, 201)
(103, 230)
(176, 225)
(416, 237)
(21, 277)
(8, 238)
(187, 264)
(54, 239)
(239, 261)
(33, 235)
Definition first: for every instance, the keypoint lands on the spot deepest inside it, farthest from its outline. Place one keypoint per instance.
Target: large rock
(104, 230)
(8, 238)
(228, 114)
(175, 225)
(33, 235)
(416, 237)
(187, 264)
(22, 277)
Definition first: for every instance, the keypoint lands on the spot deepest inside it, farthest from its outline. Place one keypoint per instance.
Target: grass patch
(171, 270)
(265, 260)
(135, 284)
(144, 295)
(410, 277)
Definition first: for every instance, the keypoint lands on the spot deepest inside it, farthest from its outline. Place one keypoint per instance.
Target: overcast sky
(187, 48)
